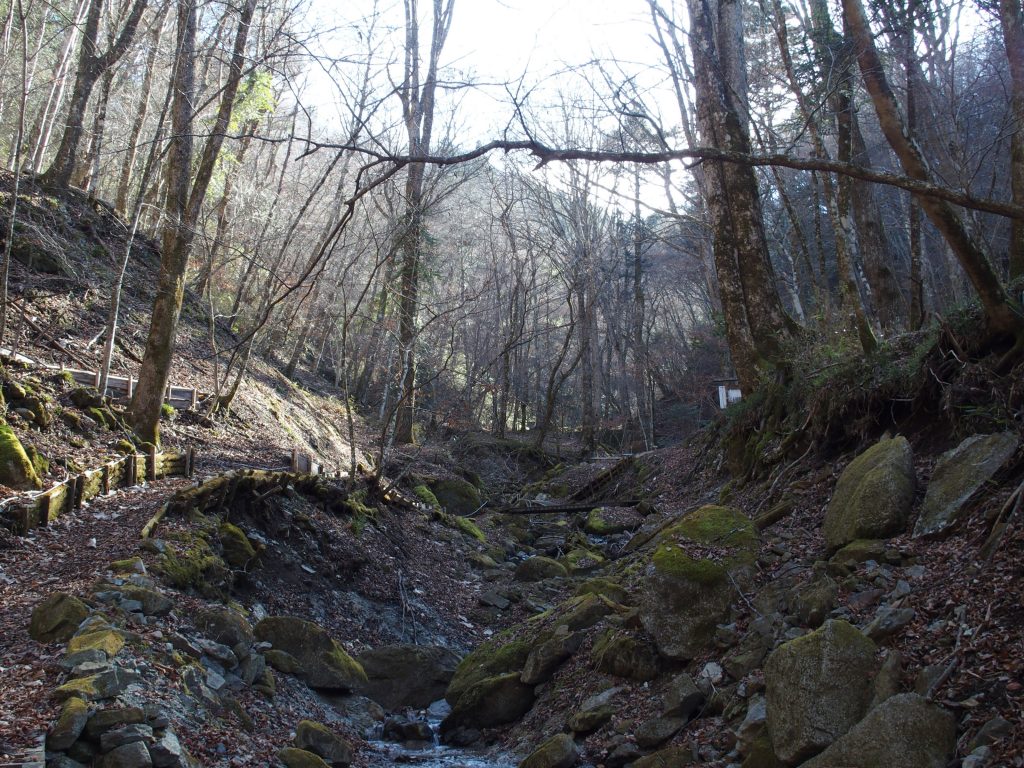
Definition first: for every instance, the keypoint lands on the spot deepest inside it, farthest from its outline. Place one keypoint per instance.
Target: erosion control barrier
(32, 510)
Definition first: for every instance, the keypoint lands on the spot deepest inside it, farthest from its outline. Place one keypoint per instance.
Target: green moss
(238, 550)
(125, 447)
(98, 415)
(195, 566)
(16, 468)
(107, 639)
(128, 565)
(457, 496)
(427, 496)
(40, 463)
(499, 655)
(167, 411)
(722, 539)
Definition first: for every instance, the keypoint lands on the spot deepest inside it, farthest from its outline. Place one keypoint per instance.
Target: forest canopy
(568, 247)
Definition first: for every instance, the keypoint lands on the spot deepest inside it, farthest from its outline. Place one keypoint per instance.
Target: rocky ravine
(649, 636)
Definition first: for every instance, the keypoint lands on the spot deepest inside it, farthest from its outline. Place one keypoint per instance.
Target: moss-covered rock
(607, 587)
(905, 730)
(324, 664)
(874, 494)
(16, 470)
(958, 474)
(693, 576)
(225, 625)
(619, 653)
(57, 618)
(427, 496)
(106, 639)
(860, 551)
(539, 568)
(456, 496)
(194, 565)
(497, 656)
(492, 701)
(600, 523)
(557, 752)
(238, 550)
(322, 741)
(582, 560)
(300, 758)
(818, 687)
(69, 726)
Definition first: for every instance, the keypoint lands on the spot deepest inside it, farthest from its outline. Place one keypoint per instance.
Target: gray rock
(595, 711)
(887, 681)
(958, 474)
(753, 724)
(682, 697)
(818, 687)
(166, 752)
(127, 734)
(992, 731)
(134, 755)
(493, 599)
(407, 675)
(225, 625)
(979, 758)
(323, 663)
(403, 729)
(557, 752)
(218, 652)
(321, 740)
(888, 621)
(653, 733)
(874, 494)
(904, 730)
(69, 726)
(88, 655)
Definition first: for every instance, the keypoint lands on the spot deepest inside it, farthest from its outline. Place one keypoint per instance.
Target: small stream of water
(436, 755)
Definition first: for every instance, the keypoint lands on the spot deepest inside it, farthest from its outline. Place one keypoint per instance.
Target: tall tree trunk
(1011, 17)
(1003, 315)
(756, 323)
(91, 65)
(182, 210)
(418, 111)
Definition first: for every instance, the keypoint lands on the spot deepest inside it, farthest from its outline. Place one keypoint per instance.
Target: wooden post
(151, 464)
(190, 460)
(128, 478)
(195, 397)
(96, 379)
(295, 459)
(77, 492)
(106, 479)
(44, 511)
(131, 386)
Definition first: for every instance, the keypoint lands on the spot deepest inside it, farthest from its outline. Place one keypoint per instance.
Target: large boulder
(818, 687)
(322, 741)
(492, 701)
(693, 577)
(322, 662)
(57, 618)
(958, 474)
(557, 752)
(905, 730)
(407, 675)
(457, 496)
(225, 625)
(539, 568)
(498, 656)
(874, 494)
(619, 653)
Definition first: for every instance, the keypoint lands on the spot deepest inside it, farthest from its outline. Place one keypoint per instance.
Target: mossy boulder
(818, 687)
(559, 751)
(300, 758)
(874, 494)
(69, 726)
(693, 576)
(225, 625)
(958, 474)
(16, 470)
(607, 587)
(322, 741)
(401, 676)
(102, 638)
(499, 655)
(324, 664)
(860, 551)
(238, 550)
(57, 618)
(492, 701)
(619, 653)
(582, 560)
(905, 730)
(545, 659)
(455, 495)
(539, 568)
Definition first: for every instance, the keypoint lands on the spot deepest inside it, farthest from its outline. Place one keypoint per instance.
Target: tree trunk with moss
(756, 323)
(1011, 17)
